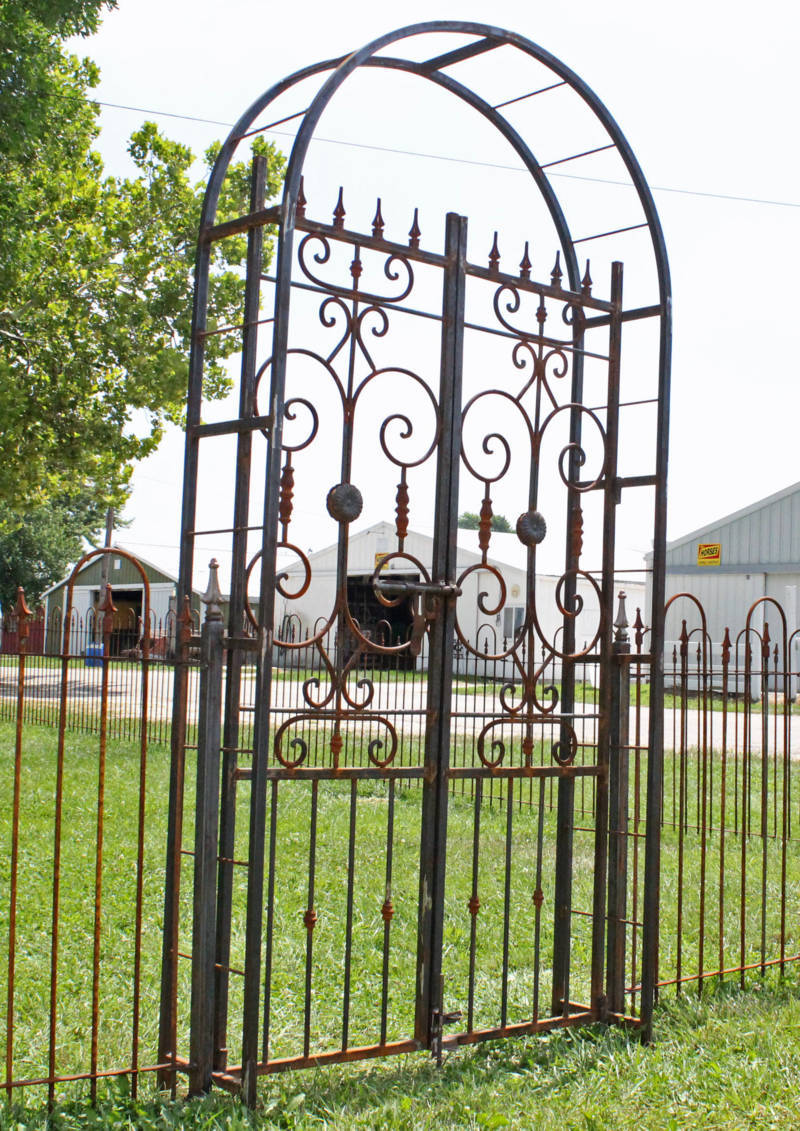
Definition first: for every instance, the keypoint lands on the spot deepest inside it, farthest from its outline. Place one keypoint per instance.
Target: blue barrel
(94, 655)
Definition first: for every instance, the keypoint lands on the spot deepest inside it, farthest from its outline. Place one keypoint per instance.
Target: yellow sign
(379, 561)
(709, 553)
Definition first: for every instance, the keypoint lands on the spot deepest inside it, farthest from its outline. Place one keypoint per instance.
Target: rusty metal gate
(409, 743)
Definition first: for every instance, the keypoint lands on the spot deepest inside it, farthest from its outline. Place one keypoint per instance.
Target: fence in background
(84, 669)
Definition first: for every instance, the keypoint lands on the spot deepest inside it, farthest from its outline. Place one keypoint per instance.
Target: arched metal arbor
(338, 732)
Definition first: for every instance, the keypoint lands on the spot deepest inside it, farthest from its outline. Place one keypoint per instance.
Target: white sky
(706, 93)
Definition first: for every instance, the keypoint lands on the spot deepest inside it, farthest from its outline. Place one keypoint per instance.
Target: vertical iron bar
(169, 955)
(263, 682)
(440, 664)
(107, 610)
(538, 899)
(387, 911)
(348, 945)
(619, 756)
(723, 799)
(22, 614)
(273, 832)
(562, 903)
(610, 502)
(238, 596)
(140, 848)
(655, 762)
(474, 902)
(310, 917)
(206, 848)
(168, 1018)
(507, 904)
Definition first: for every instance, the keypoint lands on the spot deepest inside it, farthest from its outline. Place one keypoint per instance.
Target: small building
(492, 631)
(128, 594)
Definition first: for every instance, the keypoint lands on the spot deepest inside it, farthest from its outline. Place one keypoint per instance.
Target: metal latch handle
(433, 588)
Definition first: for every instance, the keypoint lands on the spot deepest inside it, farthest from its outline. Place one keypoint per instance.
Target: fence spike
(300, 211)
(556, 274)
(494, 256)
(726, 648)
(525, 264)
(684, 641)
(586, 281)
(638, 629)
(377, 223)
(414, 232)
(339, 212)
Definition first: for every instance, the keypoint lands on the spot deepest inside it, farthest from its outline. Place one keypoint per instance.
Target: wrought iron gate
(396, 716)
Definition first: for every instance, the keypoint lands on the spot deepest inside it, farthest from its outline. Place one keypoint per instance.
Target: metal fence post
(209, 725)
(618, 813)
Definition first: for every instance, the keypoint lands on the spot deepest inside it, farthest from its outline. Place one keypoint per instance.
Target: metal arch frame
(342, 68)
(487, 38)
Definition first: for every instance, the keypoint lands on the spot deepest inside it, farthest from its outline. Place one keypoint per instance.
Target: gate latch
(427, 594)
(414, 588)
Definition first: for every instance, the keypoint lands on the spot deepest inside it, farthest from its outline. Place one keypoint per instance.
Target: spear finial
(556, 274)
(339, 212)
(494, 256)
(414, 233)
(377, 223)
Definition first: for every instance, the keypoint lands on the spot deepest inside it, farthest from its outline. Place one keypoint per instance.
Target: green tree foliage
(95, 275)
(470, 521)
(34, 550)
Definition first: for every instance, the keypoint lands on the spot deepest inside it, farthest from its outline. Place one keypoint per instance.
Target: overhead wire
(734, 198)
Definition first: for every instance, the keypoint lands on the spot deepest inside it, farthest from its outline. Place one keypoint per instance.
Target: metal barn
(731, 564)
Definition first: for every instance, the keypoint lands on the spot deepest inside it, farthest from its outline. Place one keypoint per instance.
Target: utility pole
(105, 561)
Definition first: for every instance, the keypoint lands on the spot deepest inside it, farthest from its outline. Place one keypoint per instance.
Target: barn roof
(763, 535)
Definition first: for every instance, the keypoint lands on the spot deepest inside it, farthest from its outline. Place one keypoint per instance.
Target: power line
(465, 160)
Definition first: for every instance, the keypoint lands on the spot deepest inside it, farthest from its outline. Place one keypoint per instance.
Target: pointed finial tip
(415, 231)
(213, 594)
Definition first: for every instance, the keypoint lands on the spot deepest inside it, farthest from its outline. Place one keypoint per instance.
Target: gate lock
(427, 594)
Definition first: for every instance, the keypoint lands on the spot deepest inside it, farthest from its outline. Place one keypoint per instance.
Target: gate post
(209, 724)
(433, 837)
(618, 813)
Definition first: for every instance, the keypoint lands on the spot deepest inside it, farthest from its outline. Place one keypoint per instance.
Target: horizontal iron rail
(230, 427)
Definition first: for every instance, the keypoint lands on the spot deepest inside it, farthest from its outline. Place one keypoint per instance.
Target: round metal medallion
(344, 502)
(531, 528)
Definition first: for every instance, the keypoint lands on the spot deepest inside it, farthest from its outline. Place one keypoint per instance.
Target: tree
(95, 277)
(470, 521)
(35, 550)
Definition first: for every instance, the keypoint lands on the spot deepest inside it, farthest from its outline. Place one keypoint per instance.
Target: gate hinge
(438, 1041)
(440, 1019)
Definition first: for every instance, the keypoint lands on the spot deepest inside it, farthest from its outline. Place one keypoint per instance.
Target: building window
(513, 616)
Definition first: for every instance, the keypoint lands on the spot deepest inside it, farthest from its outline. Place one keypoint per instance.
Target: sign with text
(379, 561)
(709, 553)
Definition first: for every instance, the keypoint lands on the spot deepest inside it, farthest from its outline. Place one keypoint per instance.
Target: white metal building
(732, 562)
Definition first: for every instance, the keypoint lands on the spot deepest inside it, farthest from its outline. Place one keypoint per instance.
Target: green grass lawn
(725, 1060)
(730, 1061)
